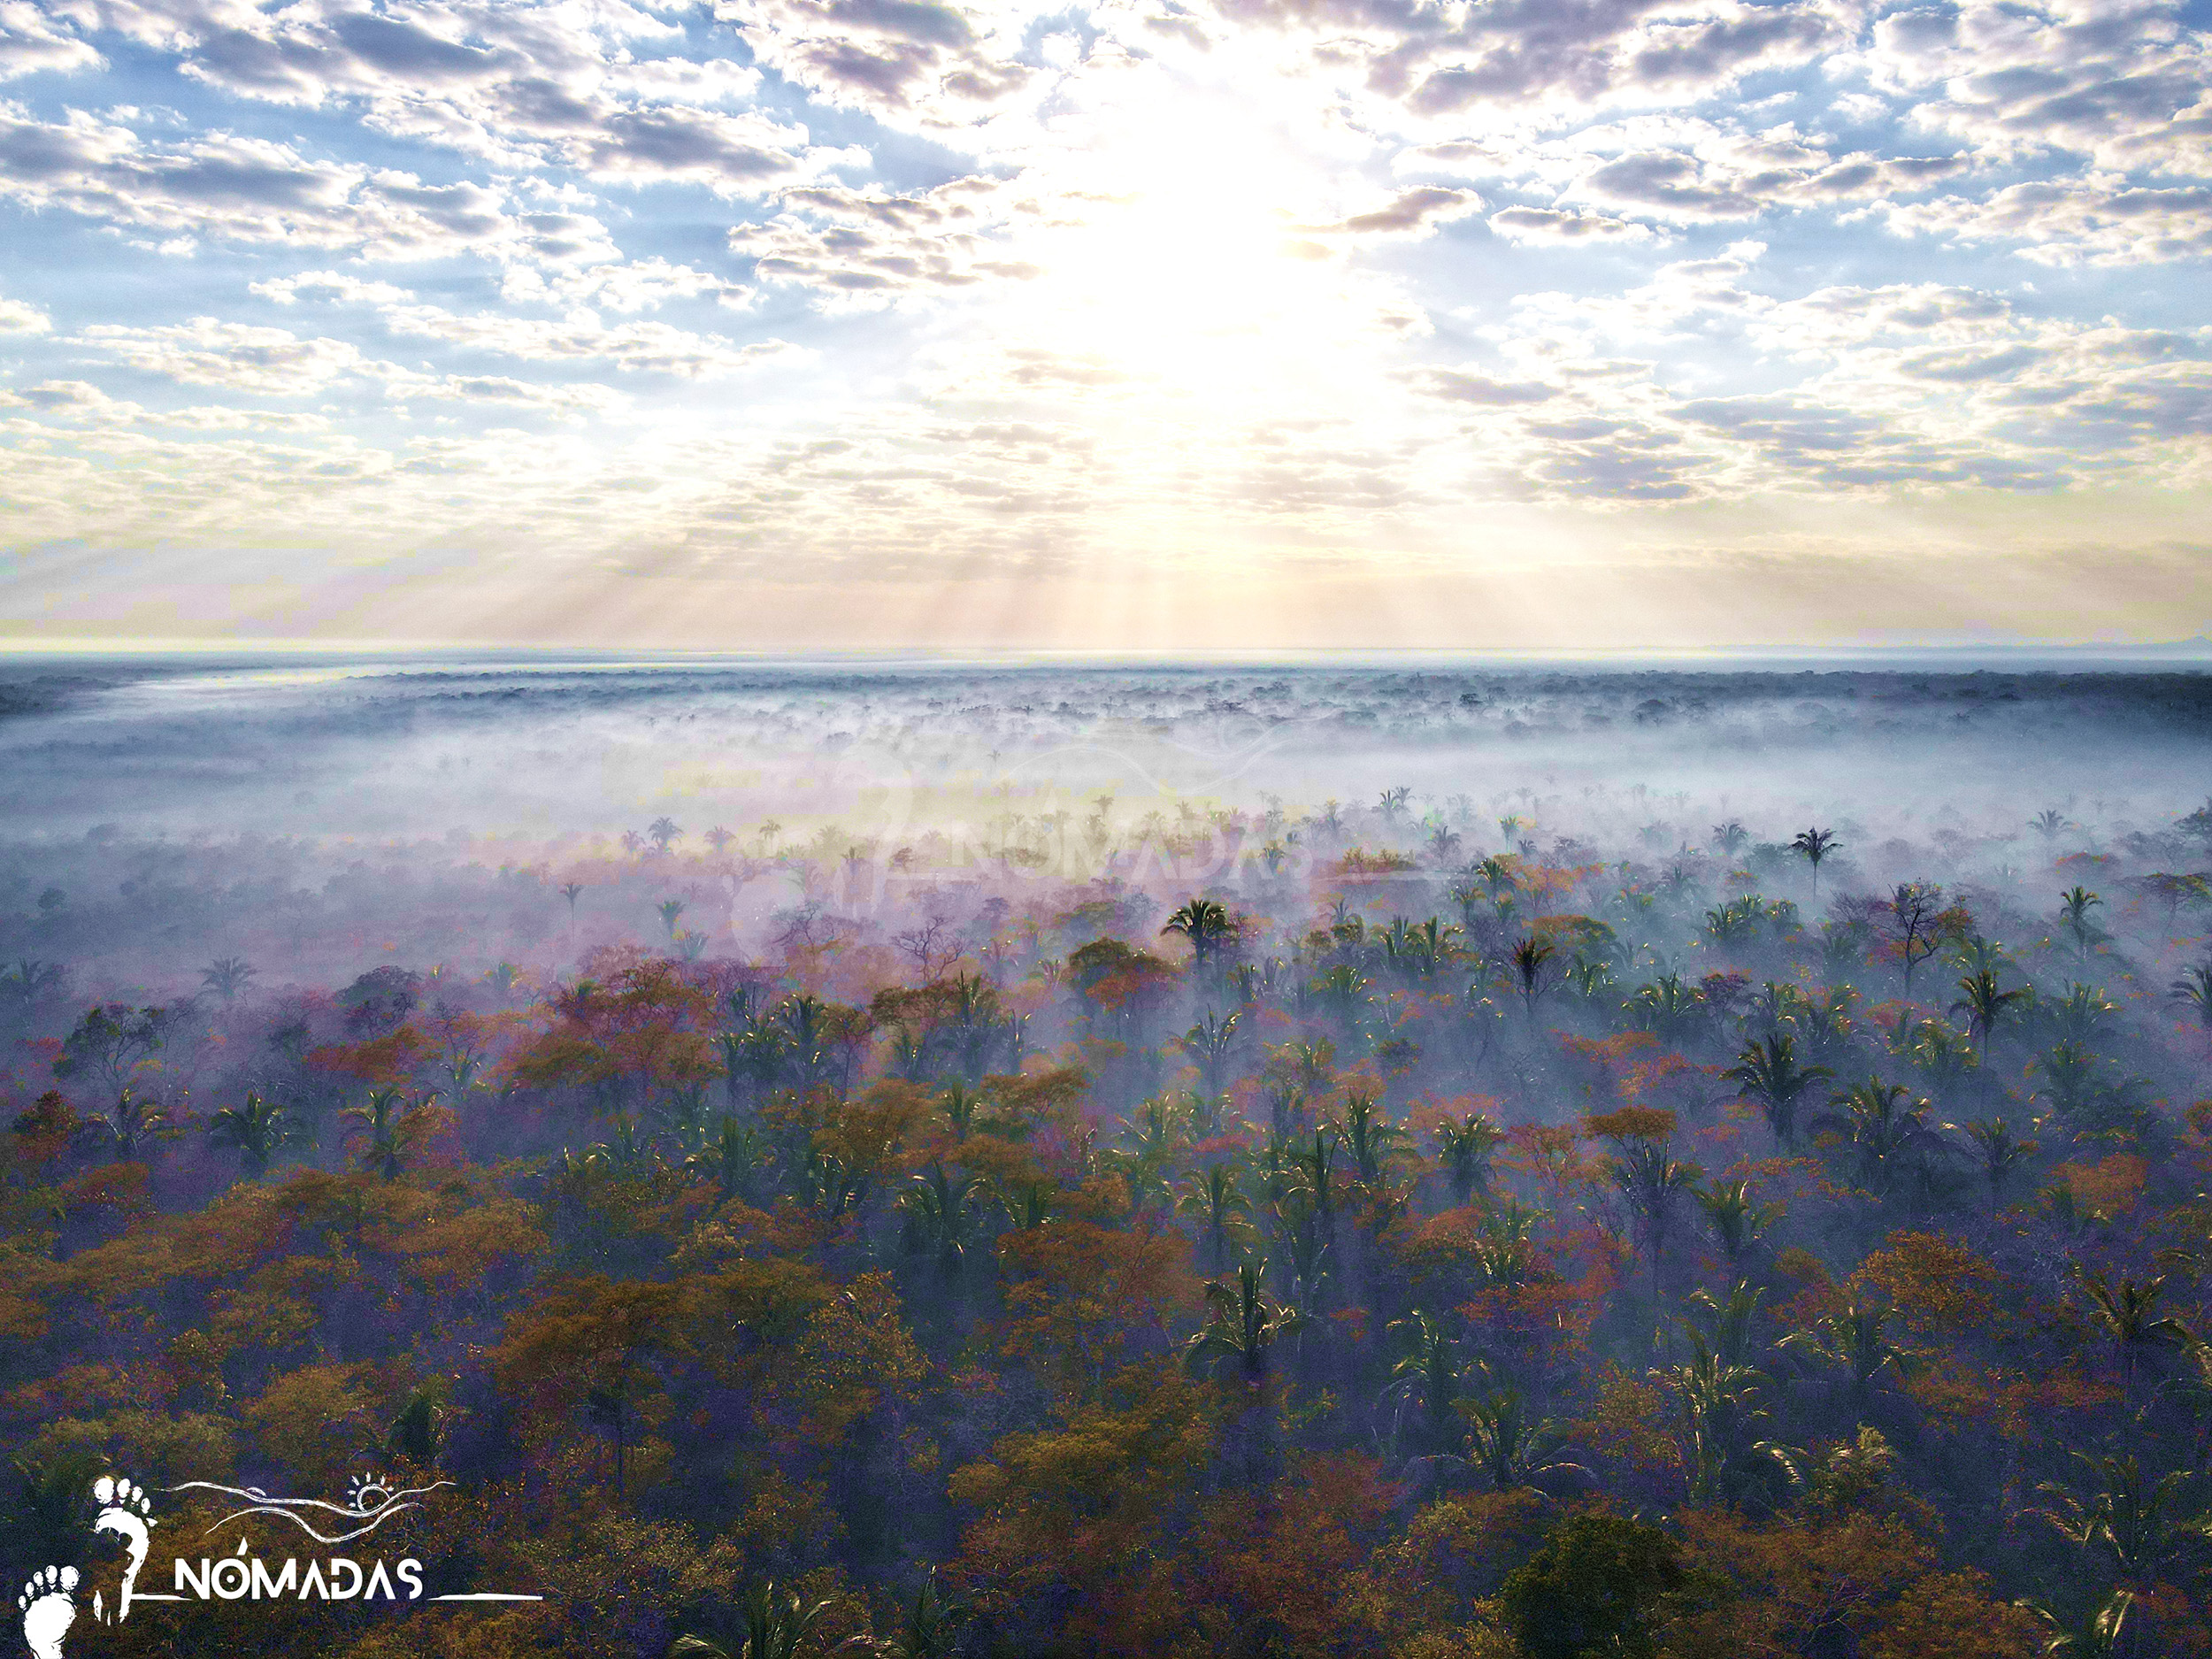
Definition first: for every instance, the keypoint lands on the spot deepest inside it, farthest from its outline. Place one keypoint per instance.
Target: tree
(1651, 1181)
(1736, 1222)
(1767, 1075)
(776, 1623)
(1206, 922)
(669, 911)
(1241, 1324)
(2002, 1153)
(665, 832)
(257, 1129)
(1530, 953)
(1887, 1128)
(2096, 1635)
(227, 976)
(1815, 845)
(2194, 987)
(1983, 1004)
(1428, 1370)
(1208, 1044)
(1594, 1591)
(1920, 924)
(929, 1626)
(2119, 1510)
(389, 1129)
(2074, 906)
(2128, 1313)
(1854, 1339)
(1465, 1147)
(112, 1042)
(131, 1125)
(1511, 1450)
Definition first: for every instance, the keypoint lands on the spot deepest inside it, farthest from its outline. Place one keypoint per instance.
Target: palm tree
(1427, 1369)
(1530, 953)
(1854, 1341)
(386, 1129)
(1887, 1128)
(1767, 1075)
(664, 832)
(1983, 1004)
(1366, 1136)
(2195, 986)
(257, 1130)
(730, 1157)
(2002, 1153)
(2097, 1636)
(1730, 837)
(2074, 906)
(1213, 1196)
(670, 910)
(1650, 1180)
(1737, 1223)
(1718, 1405)
(2128, 1313)
(929, 1627)
(1815, 845)
(1205, 922)
(131, 1125)
(1509, 1448)
(571, 891)
(1242, 1324)
(777, 1626)
(2050, 823)
(2124, 1513)
(1208, 1044)
(227, 976)
(1466, 1149)
(941, 1216)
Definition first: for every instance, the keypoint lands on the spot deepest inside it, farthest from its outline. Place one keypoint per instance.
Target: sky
(1143, 325)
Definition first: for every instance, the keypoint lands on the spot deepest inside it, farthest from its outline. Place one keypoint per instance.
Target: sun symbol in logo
(367, 1491)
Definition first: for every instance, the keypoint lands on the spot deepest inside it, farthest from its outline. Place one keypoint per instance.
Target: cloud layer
(989, 301)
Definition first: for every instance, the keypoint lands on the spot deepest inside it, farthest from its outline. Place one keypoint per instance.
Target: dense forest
(1427, 1229)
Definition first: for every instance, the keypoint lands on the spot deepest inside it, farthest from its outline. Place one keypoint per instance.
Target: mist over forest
(1505, 1160)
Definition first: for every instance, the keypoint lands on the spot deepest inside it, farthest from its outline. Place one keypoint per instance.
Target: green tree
(1813, 845)
(1767, 1074)
(1206, 922)
(774, 1624)
(1242, 1324)
(1983, 1004)
(1595, 1591)
(257, 1130)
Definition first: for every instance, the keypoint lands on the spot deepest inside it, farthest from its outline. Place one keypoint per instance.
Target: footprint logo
(127, 1512)
(49, 1605)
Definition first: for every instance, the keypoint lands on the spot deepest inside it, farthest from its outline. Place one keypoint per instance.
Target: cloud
(18, 317)
(253, 190)
(2127, 85)
(870, 247)
(268, 361)
(1550, 225)
(892, 57)
(637, 346)
(1461, 387)
(1719, 175)
(333, 285)
(31, 44)
(2100, 221)
(1411, 212)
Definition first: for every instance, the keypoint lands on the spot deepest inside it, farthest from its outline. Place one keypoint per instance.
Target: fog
(162, 812)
